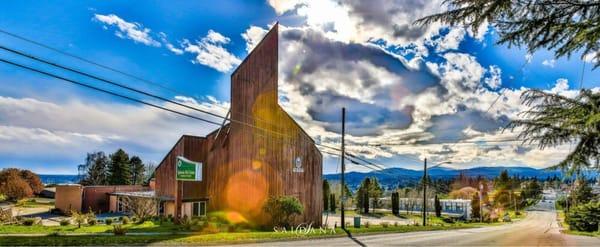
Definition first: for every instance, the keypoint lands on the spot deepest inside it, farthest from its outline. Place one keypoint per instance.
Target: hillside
(394, 176)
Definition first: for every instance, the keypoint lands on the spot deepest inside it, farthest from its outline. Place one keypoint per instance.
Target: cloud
(494, 80)
(168, 45)
(452, 40)
(69, 129)
(209, 51)
(128, 30)
(549, 63)
(253, 36)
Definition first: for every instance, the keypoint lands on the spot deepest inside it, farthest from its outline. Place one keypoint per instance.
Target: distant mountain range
(394, 176)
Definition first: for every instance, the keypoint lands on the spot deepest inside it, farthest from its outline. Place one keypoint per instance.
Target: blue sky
(428, 87)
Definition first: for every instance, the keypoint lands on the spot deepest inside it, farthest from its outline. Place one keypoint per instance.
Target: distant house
(262, 152)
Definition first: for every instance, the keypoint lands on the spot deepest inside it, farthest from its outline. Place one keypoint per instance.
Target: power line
(106, 91)
(118, 95)
(139, 78)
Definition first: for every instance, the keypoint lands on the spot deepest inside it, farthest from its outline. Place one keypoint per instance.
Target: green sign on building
(188, 170)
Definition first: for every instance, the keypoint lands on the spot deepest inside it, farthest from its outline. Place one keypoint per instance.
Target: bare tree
(141, 207)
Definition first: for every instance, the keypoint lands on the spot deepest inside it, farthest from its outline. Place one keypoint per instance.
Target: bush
(396, 224)
(584, 217)
(28, 221)
(65, 222)
(108, 221)
(283, 210)
(119, 230)
(125, 220)
(367, 224)
(92, 222)
(385, 224)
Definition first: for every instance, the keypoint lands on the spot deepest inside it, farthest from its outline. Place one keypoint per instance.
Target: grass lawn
(147, 226)
(207, 239)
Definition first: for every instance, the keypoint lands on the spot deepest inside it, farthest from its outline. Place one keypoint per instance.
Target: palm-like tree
(554, 119)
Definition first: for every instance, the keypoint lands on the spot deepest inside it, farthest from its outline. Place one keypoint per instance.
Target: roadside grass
(148, 226)
(211, 239)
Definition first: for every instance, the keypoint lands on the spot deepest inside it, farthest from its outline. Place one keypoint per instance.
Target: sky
(411, 92)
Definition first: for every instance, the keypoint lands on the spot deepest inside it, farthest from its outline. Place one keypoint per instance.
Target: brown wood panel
(246, 165)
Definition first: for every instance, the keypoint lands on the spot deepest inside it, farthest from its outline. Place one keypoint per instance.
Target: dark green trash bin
(356, 221)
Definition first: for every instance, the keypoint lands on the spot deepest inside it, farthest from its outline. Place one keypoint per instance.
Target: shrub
(65, 222)
(108, 221)
(119, 230)
(53, 234)
(92, 222)
(283, 209)
(28, 222)
(367, 224)
(396, 224)
(125, 220)
(584, 217)
(385, 224)
(211, 228)
(135, 219)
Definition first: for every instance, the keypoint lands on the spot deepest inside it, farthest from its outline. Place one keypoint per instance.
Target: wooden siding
(246, 165)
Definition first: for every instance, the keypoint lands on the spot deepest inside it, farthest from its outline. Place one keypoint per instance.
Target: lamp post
(425, 187)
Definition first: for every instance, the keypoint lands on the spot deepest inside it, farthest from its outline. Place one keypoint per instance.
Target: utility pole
(425, 192)
(343, 185)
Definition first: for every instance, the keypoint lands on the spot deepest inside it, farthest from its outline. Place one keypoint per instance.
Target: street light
(425, 187)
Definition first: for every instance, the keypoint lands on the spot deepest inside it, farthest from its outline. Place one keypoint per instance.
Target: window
(198, 209)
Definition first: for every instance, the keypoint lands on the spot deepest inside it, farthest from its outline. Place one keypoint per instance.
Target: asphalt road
(539, 228)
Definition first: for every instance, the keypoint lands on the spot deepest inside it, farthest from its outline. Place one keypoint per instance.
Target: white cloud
(452, 40)
(210, 52)
(69, 129)
(128, 30)
(494, 80)
(528, 57)
(253, 36)
(549, 63)
(168, 45)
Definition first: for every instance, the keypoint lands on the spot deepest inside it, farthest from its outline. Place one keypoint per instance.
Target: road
(539, 228)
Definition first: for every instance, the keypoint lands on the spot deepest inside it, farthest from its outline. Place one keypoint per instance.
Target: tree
(326, 193)
(582, 193)
(33, 180)
(149, 171)
(137, 170)
(584, 217)
(503, 181)
(395, 203)
(15, 185)
(368, 189)
(438, 206)
(562, 26)
(141, 208)
(119, 168)
(96, 164)
(553, 120)
(332, 205)
(283, 209)
(475, 207)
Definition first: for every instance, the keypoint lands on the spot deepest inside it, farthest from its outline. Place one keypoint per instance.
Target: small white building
(453, 207)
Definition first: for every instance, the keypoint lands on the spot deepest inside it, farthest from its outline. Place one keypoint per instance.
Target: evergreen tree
(565, 27)
(395, 203)
(582, 193)
(137, 170)
(119, 168)
(368, 189)
(332, 205)
(97, 164)
(326, 193)
(438, 206)
(562, 26)
(475, 205)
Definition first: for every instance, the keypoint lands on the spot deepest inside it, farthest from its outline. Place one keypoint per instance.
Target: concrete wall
(68, 197)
